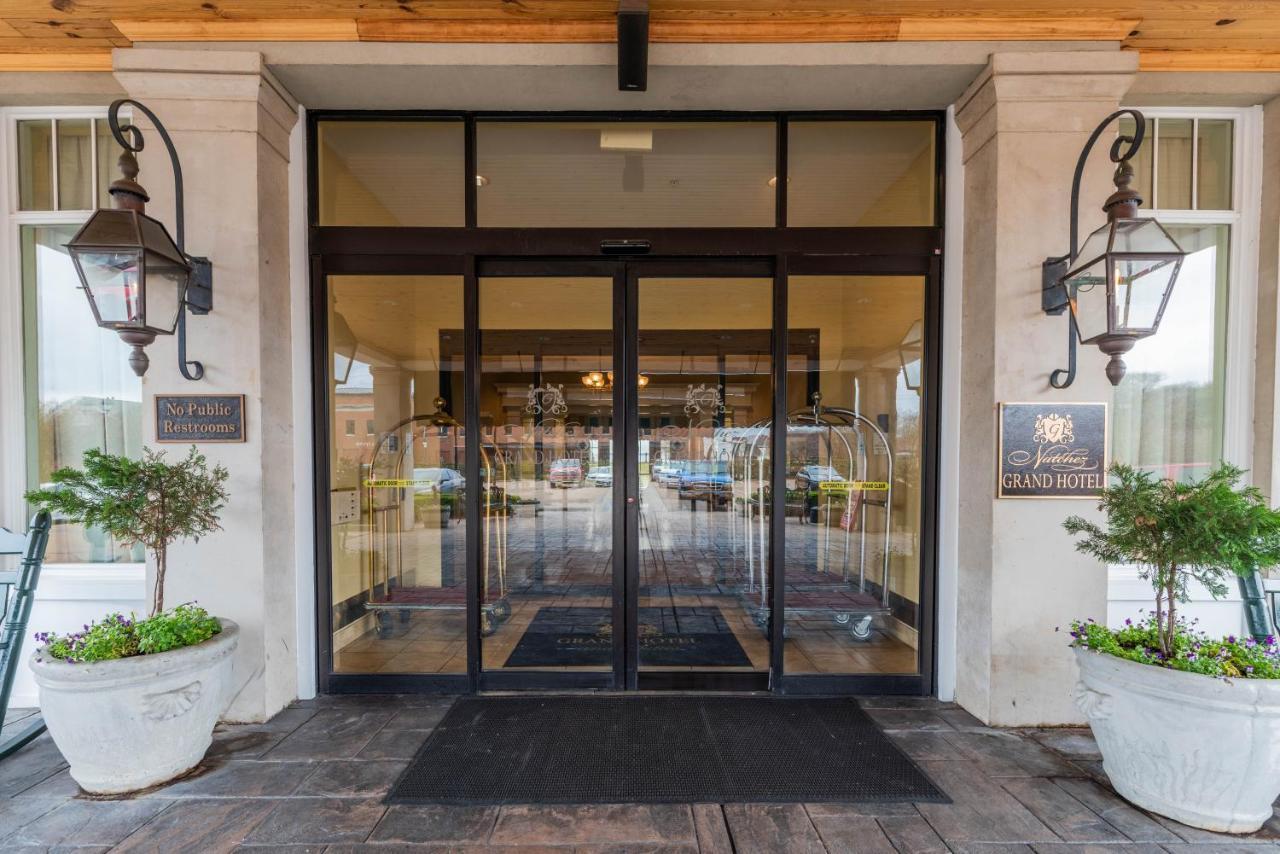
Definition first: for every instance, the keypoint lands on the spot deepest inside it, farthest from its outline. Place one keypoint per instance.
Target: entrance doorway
(624, 391)
(602, 403)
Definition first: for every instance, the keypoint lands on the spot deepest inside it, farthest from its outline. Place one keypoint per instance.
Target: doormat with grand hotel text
(669, 637)
(656, 749)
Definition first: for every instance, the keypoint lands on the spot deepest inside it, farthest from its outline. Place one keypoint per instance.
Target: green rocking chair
(17, 595)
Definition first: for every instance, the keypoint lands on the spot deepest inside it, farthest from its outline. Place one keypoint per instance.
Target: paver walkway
(313, 778)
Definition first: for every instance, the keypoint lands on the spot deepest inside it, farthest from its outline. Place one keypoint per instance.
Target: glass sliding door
(855, 445)
(547, 415)
(398, 527)
(703, 400)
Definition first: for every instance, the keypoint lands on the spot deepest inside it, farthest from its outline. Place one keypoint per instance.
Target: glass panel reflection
(861, 173)
(600, 174)
(706, 361)
(853, 474)
(397, 488)
(1169, 409)
(81, 392)
(546, 409)
(390, 173)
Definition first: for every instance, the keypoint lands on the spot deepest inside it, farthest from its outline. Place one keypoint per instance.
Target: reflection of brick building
(353, 424)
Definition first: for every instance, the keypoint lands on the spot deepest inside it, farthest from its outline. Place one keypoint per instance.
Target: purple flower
(1231, 638)
(1128, 622)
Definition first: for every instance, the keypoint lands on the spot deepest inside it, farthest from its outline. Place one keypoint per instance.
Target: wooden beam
(79, 61)
(479, 30)
(1204, 60)
(277, 29)
(790, 29)
(1015, 29)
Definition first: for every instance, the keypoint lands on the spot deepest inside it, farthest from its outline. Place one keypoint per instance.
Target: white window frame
(1244, 219)
(1242, 288)
(13, 428)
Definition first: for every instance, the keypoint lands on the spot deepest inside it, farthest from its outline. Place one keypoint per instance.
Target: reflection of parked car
(706, 480)
(667, 474)
(443, 480)
(565, 473)
(601, 476)
(810, 476)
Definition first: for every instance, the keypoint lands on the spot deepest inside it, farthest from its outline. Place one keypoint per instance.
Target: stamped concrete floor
(313, 779)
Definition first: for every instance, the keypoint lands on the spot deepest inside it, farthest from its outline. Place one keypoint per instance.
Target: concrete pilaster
(230, 121)
(1024, 121)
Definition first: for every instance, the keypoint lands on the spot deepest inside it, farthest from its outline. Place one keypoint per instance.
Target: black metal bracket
(1053, 297)
(199, 296)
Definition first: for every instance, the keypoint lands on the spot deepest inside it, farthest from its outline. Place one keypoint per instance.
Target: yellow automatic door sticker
(853, 486)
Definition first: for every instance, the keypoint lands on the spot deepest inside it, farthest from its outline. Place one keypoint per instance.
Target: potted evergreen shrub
(1188, 726)
(132, 702)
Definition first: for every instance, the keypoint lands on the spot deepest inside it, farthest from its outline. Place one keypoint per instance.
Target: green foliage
(1179, 532)
(118, 636)
(1193, 652)
(185, 625)
(147, 501)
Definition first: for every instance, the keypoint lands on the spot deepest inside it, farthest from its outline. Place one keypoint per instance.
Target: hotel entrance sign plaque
(1052, 450)
(200, 418)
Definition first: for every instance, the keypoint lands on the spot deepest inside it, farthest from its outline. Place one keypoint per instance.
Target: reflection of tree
(66, 429)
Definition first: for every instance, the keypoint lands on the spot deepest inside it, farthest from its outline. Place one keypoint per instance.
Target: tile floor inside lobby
(693, 563)
(314, 777)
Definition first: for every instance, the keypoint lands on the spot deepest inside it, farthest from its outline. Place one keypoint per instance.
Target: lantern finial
(128, 194)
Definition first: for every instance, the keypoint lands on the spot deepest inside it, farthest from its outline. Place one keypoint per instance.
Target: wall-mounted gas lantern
(344, 345)
(140, 282)
(911, 355)
(1117, 285)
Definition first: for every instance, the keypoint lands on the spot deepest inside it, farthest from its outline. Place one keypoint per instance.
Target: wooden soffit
(1187, 35)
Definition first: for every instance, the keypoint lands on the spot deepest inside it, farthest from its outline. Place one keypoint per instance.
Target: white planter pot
(1202, 751)
(135, 722)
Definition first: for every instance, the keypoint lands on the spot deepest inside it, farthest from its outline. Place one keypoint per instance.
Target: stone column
(1024, 121)
(230, 121)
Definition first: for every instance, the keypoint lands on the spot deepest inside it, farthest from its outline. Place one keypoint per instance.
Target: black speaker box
(633, 45)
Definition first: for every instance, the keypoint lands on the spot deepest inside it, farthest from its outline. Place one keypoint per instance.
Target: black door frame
(625, 274)
(852, 251)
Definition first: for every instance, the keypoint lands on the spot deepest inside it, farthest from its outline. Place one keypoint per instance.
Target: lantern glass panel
(1095, 246)
(910, 352)
(166, 288)
(1142, 285)
(1143, 235)
(1087, 290)
(113, 279)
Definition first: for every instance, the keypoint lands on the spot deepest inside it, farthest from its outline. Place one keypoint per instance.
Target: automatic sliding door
(547, 472)
(704, 395)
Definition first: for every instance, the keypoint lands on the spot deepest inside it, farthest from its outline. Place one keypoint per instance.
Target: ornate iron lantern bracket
(1054, 297)
(199, 294)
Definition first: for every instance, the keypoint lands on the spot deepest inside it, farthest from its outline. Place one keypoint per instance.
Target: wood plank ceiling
(1171, 35)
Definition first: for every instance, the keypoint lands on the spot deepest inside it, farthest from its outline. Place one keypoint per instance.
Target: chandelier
(603, 380)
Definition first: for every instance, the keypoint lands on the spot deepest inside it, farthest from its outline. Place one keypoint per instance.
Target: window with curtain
(1169, 412)
(79, 390)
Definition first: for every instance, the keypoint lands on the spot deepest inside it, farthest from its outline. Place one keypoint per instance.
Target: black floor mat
(669, 637)
(659, 749)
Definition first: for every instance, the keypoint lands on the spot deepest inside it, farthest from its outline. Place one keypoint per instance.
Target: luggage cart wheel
(841, 619)
(385, 626)
(405, 616)
(501, 610)
(861, 629)
(488, 625)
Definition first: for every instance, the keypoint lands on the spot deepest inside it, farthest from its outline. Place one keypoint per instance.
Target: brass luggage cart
(390, 502)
